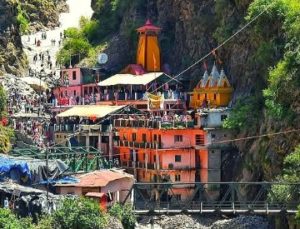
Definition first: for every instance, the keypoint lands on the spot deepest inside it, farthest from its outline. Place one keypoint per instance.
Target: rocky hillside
(19, 17)
(193, 28)
(12, 59)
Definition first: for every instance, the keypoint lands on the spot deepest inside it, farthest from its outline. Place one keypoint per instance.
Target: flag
(205, 65)
(214, 53)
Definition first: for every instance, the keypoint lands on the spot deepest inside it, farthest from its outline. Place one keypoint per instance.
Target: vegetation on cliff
(34, 15)
(6, 133)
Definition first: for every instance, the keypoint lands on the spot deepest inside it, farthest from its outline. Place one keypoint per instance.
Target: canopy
(125, 79)
(35, 83)
(98, 111)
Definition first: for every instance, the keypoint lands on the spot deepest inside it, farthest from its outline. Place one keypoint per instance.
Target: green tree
(283, 80)
(3, 100)
(125, 214)
(75, 46)
(8, 220)
(291, 174)
(79, 213)
(245, 113)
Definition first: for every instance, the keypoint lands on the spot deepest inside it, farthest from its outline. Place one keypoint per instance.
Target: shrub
(245, 113)
(8, 220)
(125, 214)
(79, 213)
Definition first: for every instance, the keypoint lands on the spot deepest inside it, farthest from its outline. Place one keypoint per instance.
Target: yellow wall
(216, 97)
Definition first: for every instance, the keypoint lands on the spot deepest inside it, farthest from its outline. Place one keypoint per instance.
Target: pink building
(77, 86)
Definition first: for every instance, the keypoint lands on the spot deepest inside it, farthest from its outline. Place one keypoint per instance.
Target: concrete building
(114, 185)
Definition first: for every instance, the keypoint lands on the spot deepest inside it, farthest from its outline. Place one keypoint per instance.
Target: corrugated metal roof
(97, 179)
(125, 79)
(98, 111)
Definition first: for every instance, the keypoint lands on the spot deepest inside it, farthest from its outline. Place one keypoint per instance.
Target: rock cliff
(12, 58)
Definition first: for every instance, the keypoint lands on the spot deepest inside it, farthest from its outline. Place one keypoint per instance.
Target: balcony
(139, 165)
(172, 166)
(139, 145)
(66, 128)
(77, 127)
(155, 124)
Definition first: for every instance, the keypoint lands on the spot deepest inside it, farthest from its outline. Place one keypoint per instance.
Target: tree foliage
(8, 220)
(284, 78)
(245, 113)
(79, 213)
(290, 174)
(125, 214)
(75, 46)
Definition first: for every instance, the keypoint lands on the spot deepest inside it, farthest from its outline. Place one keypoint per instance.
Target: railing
(139, 145)
(77, 158)
(79, 127)
(154, 166)
(212, 197)
(155, 124)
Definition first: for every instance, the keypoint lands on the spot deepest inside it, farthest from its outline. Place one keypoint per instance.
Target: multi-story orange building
(173, 151)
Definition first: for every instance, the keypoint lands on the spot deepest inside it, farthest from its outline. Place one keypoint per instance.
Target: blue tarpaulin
(8, 164)
(65, 180)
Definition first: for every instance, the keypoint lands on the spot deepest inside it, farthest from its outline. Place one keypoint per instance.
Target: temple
(213, 90)
(163, 135)
(148, 51)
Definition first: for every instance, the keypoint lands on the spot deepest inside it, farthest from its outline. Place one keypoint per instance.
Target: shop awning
(87, 111)
(125, 79)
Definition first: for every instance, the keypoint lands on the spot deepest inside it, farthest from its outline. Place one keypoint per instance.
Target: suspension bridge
(214, 197)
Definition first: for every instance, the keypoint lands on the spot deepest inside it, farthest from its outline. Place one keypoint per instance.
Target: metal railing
(155, 124)
(211, 197)
(77, 158)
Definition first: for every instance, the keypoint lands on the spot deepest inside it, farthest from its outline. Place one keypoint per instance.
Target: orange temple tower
(148, 52)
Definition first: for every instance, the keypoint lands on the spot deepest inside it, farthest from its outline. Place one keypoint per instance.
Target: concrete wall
(69, 73)
(122, 186)
(213, 119)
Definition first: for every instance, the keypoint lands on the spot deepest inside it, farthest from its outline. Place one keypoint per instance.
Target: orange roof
(98, 178)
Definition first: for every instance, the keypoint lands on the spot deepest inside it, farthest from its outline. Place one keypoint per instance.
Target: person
(6, 203)
(204, 103)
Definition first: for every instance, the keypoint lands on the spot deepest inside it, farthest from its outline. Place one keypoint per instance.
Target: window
(144, 156)
(155, 178)
(134, 137)
(144, 137)
(154, 158)
(215, 96)
(223, 117)
(213, 136)
(177, 177)
(198, 96)
(178, 197)
(178, 138)
(74, 75)
(74, 92)
(177, 158)
(155, 137)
